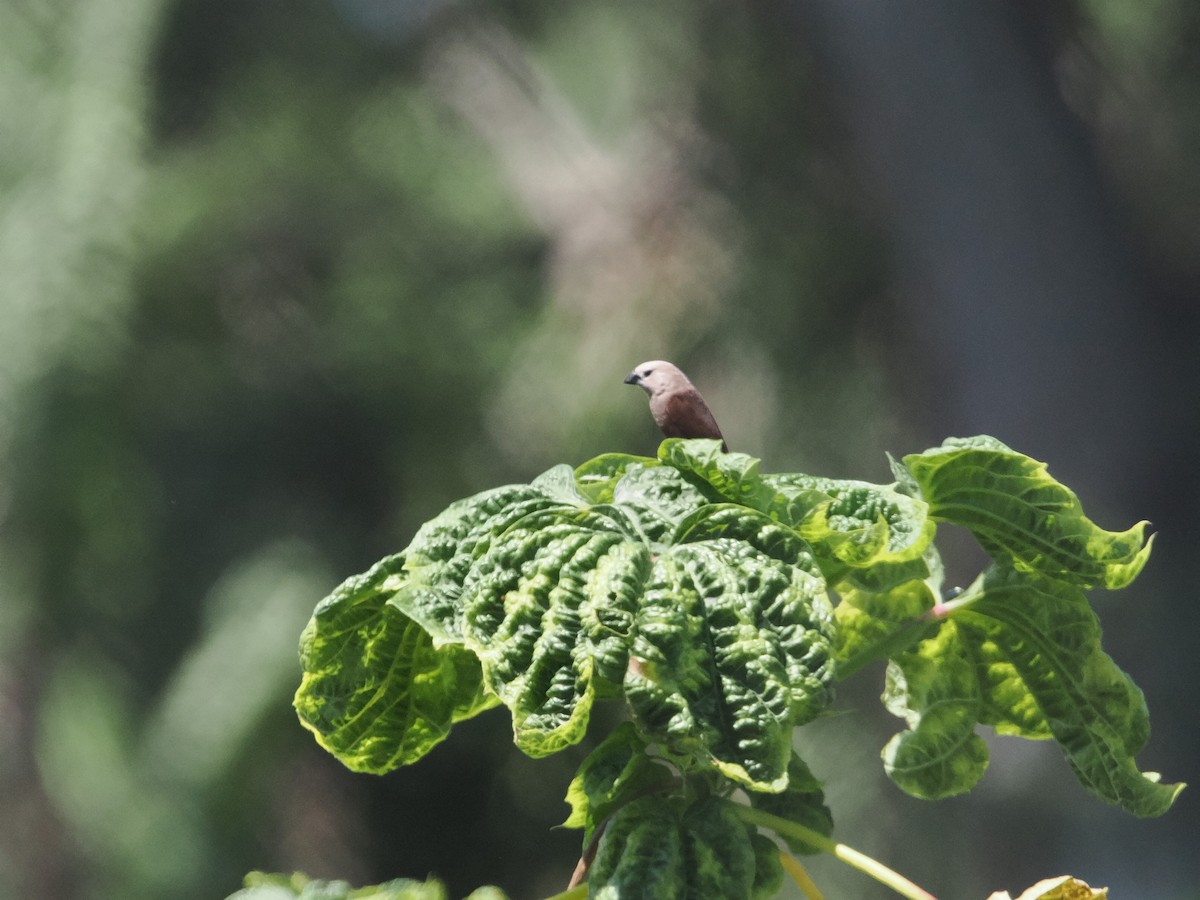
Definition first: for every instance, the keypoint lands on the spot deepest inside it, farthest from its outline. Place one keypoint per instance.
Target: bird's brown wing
(686, 415)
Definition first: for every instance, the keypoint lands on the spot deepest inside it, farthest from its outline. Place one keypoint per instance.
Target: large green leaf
(729, 477)
(731, 651)
(1019, 514)
(1024, 657)
(597, 477)
(538, 592)
(861, 524)
(549, 611)
(1043, 636)
(444, 549)
(376, 692)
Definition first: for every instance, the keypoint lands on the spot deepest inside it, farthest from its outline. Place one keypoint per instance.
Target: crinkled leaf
(1008, 705)
(443, 550)
(375, 691)
(884, 576)
(1018, 513)
(1063, 887)
(1046, 637)
(854, 522)
(866, 620)
(905, 483)
(558, 483)
(720, 854)
(1024, 657)
(768, 868)
(803, 802)
(613, 774)
(640, 855)
(731, 651)
(728, 477)
(597, 477)
(261, 886)
(728, 520)
(543, 589)
(864, 524)
(652, 849)
(935, 688)
(658, 498)
(549, 611)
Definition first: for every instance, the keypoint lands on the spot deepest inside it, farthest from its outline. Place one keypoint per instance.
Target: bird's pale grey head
(658, 377)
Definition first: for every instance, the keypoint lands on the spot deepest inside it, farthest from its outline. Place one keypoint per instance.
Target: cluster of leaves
(721, 605)
(262, 886)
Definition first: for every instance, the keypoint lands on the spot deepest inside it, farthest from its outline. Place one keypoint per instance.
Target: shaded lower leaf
(655, 848)
(615, 773)
(768, 868)
(802, 802)
(640, 855)
(718, 848)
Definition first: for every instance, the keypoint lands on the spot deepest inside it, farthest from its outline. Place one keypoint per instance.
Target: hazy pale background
(279, 280)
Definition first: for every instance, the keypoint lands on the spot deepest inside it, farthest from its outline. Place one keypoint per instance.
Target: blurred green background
(278, 281)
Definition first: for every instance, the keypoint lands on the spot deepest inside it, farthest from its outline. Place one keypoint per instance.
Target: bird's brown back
(684, 414)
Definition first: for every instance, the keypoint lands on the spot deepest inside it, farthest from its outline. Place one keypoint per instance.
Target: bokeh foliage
(278, 280)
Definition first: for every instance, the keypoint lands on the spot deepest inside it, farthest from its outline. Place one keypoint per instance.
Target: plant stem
(848, 855)
(799, 874)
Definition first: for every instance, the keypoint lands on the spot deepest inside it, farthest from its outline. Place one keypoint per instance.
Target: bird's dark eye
(647, 373)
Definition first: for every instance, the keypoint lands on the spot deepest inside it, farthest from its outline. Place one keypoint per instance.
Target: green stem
(848, 855)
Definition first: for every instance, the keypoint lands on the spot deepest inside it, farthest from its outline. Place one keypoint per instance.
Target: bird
(675, 403)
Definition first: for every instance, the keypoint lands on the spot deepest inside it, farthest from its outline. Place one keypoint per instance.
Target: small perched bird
(676, 405)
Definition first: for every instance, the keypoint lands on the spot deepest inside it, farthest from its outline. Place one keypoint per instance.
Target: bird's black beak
(633, 378)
